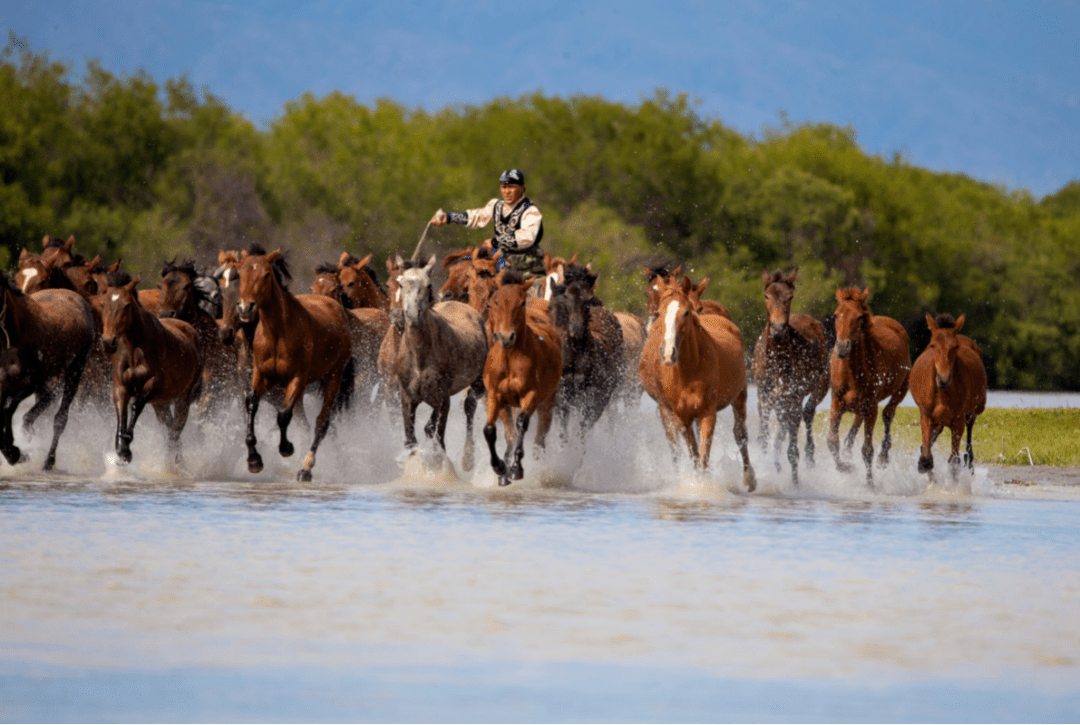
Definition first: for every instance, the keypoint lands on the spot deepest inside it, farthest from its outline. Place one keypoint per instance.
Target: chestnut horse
(45, 336)
(521, 371)
(948, 383)
(791, 363)
(693, 367)
(359, 284)
(153, 361)
(298, 340)
(870, 362)
(442, 351)
(664, 272)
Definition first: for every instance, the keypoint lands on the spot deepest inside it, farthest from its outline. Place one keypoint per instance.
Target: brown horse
(948, 383)
(442, 351)
(56, 250)
(791, 363)
(299, 340)
(359, 284)
(180, 298)
(693, 367)
(664, 272)
(154, 361)
(46, 336)
(521, 371)
(869, 363)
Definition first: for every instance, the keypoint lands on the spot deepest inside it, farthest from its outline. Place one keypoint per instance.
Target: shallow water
(609, 586)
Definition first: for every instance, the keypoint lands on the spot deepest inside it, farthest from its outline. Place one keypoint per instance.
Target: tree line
(146, 172)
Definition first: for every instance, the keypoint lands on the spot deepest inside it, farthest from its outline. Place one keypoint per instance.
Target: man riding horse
(519, 226)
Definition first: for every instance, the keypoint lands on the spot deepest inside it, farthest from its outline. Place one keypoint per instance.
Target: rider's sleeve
(525, 237)
(478, 218)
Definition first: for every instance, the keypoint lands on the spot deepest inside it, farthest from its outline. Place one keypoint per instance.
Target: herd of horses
(540, 345)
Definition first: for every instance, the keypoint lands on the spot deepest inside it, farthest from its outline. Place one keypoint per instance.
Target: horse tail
(344, 398)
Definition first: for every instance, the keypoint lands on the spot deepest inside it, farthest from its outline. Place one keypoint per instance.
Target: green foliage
(149, 171)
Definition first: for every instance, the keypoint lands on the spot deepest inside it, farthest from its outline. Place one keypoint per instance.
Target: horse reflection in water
(948, 383)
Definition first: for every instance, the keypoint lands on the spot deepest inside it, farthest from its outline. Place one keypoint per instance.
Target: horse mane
(776, 277)
(852, 294)
(119, 278)
(945, 320)
(578, 274)
(256, 249)
(186, 267)
(54, 241)
(412, 264)
(659, 270)
(512, 276)
(7, 280)
(326, 268)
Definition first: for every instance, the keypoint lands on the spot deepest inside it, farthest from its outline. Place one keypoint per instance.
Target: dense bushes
(146, 172)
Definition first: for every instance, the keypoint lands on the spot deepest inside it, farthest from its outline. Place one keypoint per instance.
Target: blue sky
(990, 89)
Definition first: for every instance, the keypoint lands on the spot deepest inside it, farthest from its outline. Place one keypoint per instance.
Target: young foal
(791, 362)
(298, 340)
(154, 361)
(693, 367)
(522, 371)
(43, 336)
(869, 363)
(441, 352)
(948, 382)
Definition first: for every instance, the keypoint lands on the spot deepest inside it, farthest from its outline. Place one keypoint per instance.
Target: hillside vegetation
(148, 171)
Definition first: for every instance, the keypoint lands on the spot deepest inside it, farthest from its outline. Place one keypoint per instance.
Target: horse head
(852, 318)
(228, 277)
(417, 296)
(177, 289)
(506, 308)
(945, 346)
(652, 290)
(393, 287)
(120, 309)
(460, 271)
(359, 284)
(57, 251)
(570, 302)
(779, 291)
(262, 278)
(82, 274)
(327, 284)
(555, 272)
(673, 308)
(34, 272)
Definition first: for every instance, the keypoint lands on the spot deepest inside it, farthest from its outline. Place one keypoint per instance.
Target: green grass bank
(1052, 435)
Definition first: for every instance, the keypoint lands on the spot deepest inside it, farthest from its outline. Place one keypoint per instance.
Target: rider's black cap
(512, 176)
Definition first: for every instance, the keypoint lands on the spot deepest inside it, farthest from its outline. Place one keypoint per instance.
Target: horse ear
(587, 266)
(547, 262)
(367, 260)
(573, 260)
(390, 267)
(45, 241)
(23, 255)
(686, 285)
(93, 262)
(69, 244)
(676, 272)
(791, 277)
(700, 289)
(865, 294)
(130, 286)
(959, 324)
(115, 267)
(341, 260)
(427, 267)
(272, 257)
(595, 277)
(839, 294)
(930, 322)
(222, 257)
(765, 277)
(399, 261)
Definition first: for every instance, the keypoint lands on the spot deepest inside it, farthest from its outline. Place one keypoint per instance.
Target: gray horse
(442, 351)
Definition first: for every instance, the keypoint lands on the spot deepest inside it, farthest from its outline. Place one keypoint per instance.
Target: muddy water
(610, 584)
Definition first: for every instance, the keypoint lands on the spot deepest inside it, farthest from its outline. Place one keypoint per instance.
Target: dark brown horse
(154, 361)
(299, 340)
(45, 336)
(521, 372)
(693, 367)
(442, 351)
(870, 363)
(359, 284)
(791, 363)
(591, 343)
(948, 383)
(180, 298)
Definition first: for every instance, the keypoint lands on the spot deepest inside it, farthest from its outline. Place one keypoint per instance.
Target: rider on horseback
(519, 227)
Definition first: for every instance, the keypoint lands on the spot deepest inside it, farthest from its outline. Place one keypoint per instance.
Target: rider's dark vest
(505, 226)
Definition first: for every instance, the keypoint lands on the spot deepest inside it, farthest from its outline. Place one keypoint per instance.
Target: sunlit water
(610, 584)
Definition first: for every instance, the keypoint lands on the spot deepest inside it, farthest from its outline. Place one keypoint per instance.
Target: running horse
(299, 340)
(870, 363)
(441, 352)
(521, 372)
(693, 367)
(791, 363)
(154, 361)
(948, 383)
(45, 336)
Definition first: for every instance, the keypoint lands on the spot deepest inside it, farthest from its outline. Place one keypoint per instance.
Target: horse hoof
(255, 465)
(303, 475)
(49, 464)
(504, 481)
(13, 455)
(286, 449)
(517, 473)
(844, 467)
(499, 467)
(926, 464)
(125, 456)
(749, 481)
(467, 463)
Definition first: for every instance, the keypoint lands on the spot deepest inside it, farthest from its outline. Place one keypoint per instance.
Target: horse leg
(868, 444)
(72, 376)
(793, 441)
(690, 436)
(849, 440)
(812, 402)
(545, 412)
(135, 405)
(408, 417)
(738, 407)
(522, 426)
(468, 455)
(322, 422)
(707, 426)
(955, 462)
(833, 438)
(251, 407)
(667, 419)
(926, 454)
(444, 415)
(43, 397)
(294, 393)
(783, 416)
(7, 413)
(490, 435)
(970, 451)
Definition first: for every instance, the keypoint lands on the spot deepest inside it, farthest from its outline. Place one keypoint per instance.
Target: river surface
(609, 585)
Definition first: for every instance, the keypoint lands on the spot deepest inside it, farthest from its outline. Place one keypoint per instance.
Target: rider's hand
(439, 219)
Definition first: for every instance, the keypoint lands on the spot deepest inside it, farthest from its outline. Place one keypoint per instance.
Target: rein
(3, 322)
